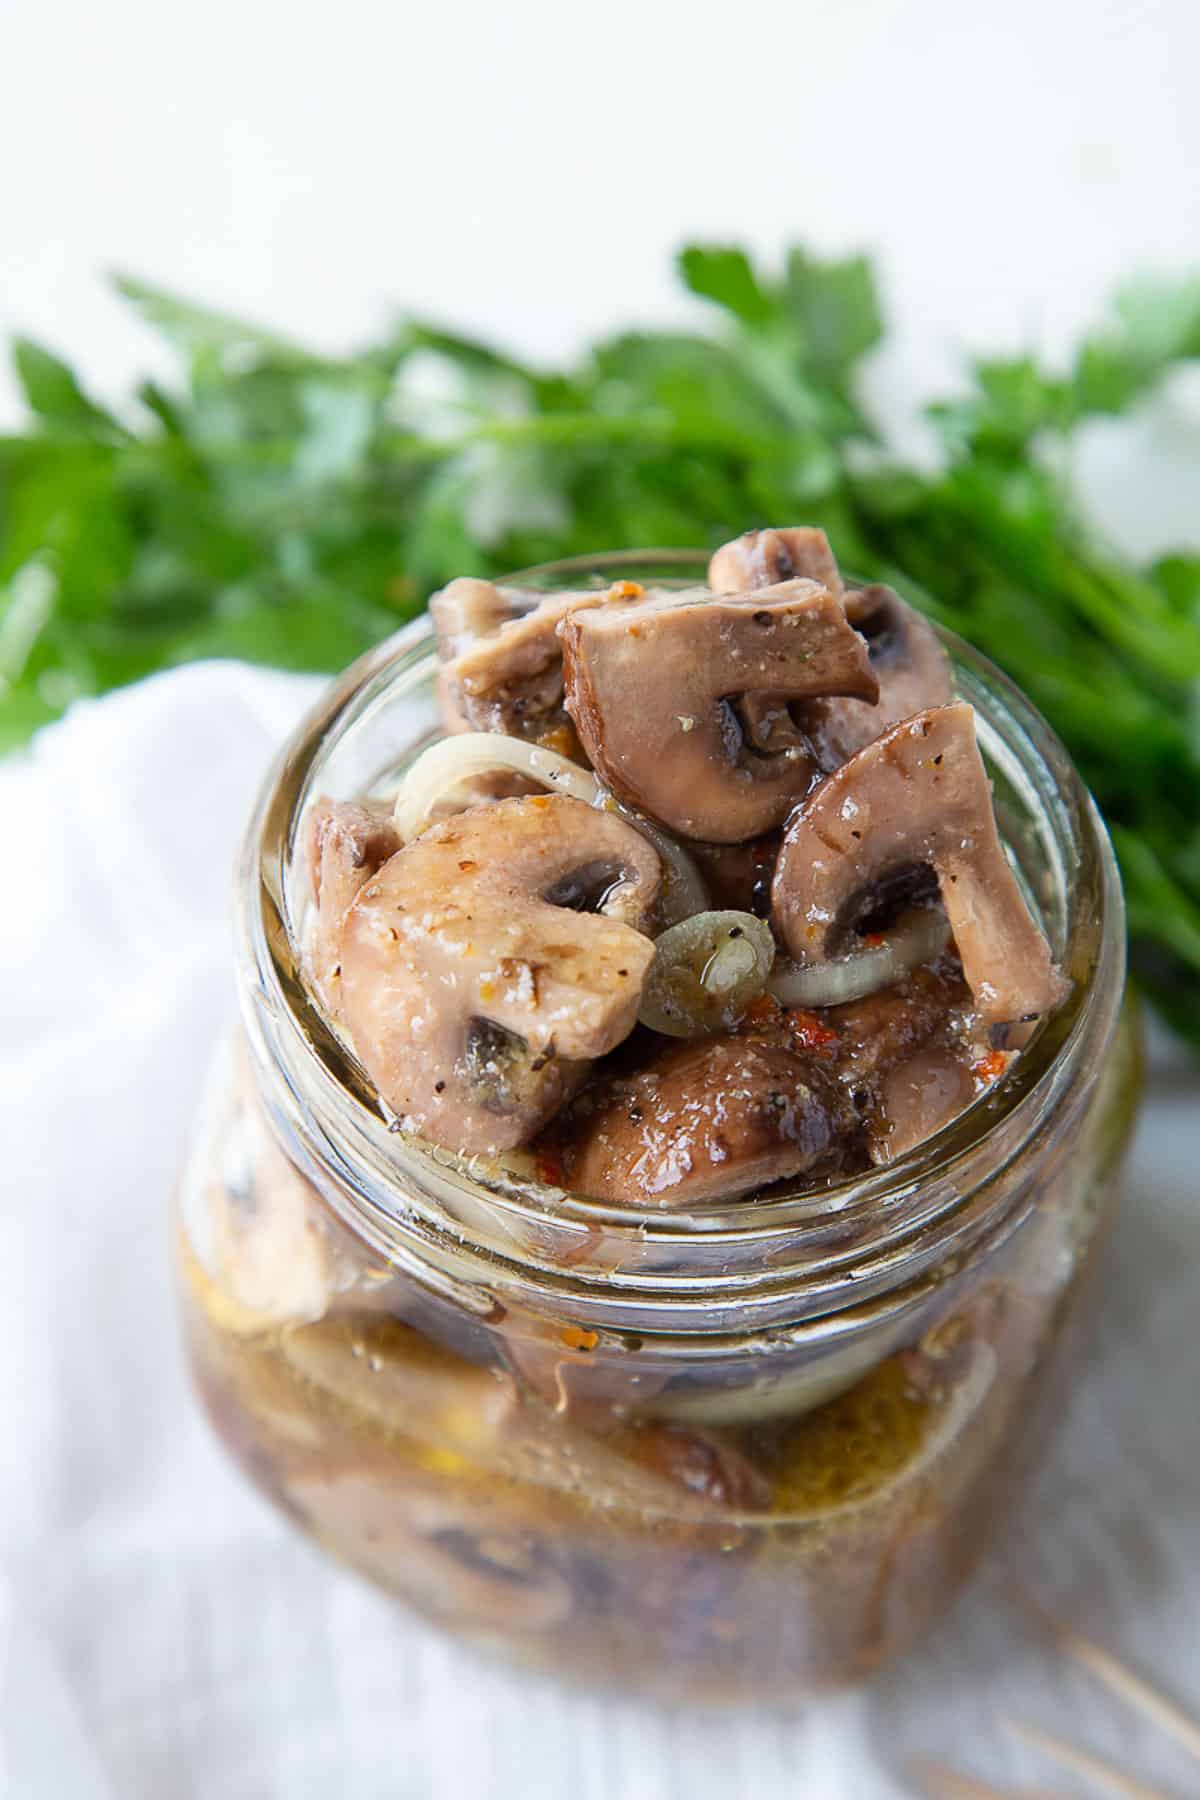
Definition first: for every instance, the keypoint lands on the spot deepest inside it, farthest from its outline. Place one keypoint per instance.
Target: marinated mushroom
(884, 1029)
(463, 612)
(916, 798)
(474, 985)
(469, 609)
(346, 845)
(706, 1120)
(705, 1464)
(456, 1560)
(918, 1098)
(271, 1259)
(912, 668)
(908, 659)
(506, 671)
(797, 739)
(759, 559)
(654, 690)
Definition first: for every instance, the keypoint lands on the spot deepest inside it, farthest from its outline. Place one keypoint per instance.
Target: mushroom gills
(496, 1067)
(916, 796)
(588, 889)
(909, 662)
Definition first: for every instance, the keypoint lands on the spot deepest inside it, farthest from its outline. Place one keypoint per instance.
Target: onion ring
(919, 934)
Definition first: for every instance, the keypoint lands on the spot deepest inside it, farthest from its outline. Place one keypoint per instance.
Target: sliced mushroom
(269, 1255)
(912, 668)
(705, 1120)
(889, 1027)
(919, 1097)
(455, 1559)
(916, 797)
(703, 1463)
(505, 673)
(905, 1056)
(472, 988)
(469, 609)
(346, 845)
(383, 1371)
(651, 690)
(581, 1379)
(759, 559)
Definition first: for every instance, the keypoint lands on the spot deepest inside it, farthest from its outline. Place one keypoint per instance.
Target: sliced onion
(918, 935)
(445, 766)
(683, 892)
(706, 971)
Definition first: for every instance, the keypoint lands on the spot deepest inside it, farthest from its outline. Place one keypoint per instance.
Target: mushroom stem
(916, 797)
(758, 559)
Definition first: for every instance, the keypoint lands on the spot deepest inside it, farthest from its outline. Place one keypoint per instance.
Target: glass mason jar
(747, 1450)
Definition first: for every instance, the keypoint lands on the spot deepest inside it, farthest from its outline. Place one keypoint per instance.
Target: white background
(528, 168)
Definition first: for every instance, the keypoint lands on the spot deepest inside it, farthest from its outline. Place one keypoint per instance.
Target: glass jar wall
(745, 1451)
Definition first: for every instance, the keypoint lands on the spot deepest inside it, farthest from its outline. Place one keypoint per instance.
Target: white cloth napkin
(164, 1635)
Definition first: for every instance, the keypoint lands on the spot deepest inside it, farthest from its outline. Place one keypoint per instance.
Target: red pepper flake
(562, 739)
(810, 1033)
(549, 1168)
(990, 1068)
(576, 1338)
(762, 1010)
(874, 940)
(626, 590)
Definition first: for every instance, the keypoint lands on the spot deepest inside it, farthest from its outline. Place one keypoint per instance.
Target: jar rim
(861, 1242)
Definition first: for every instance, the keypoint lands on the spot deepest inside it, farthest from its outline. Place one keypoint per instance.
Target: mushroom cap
(649, 688)
(759, 559)
(916, 797)
(446, 1554)
(470, 988)
(912, 668)
(346, 844)
(704, 1120)
(469, 608)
